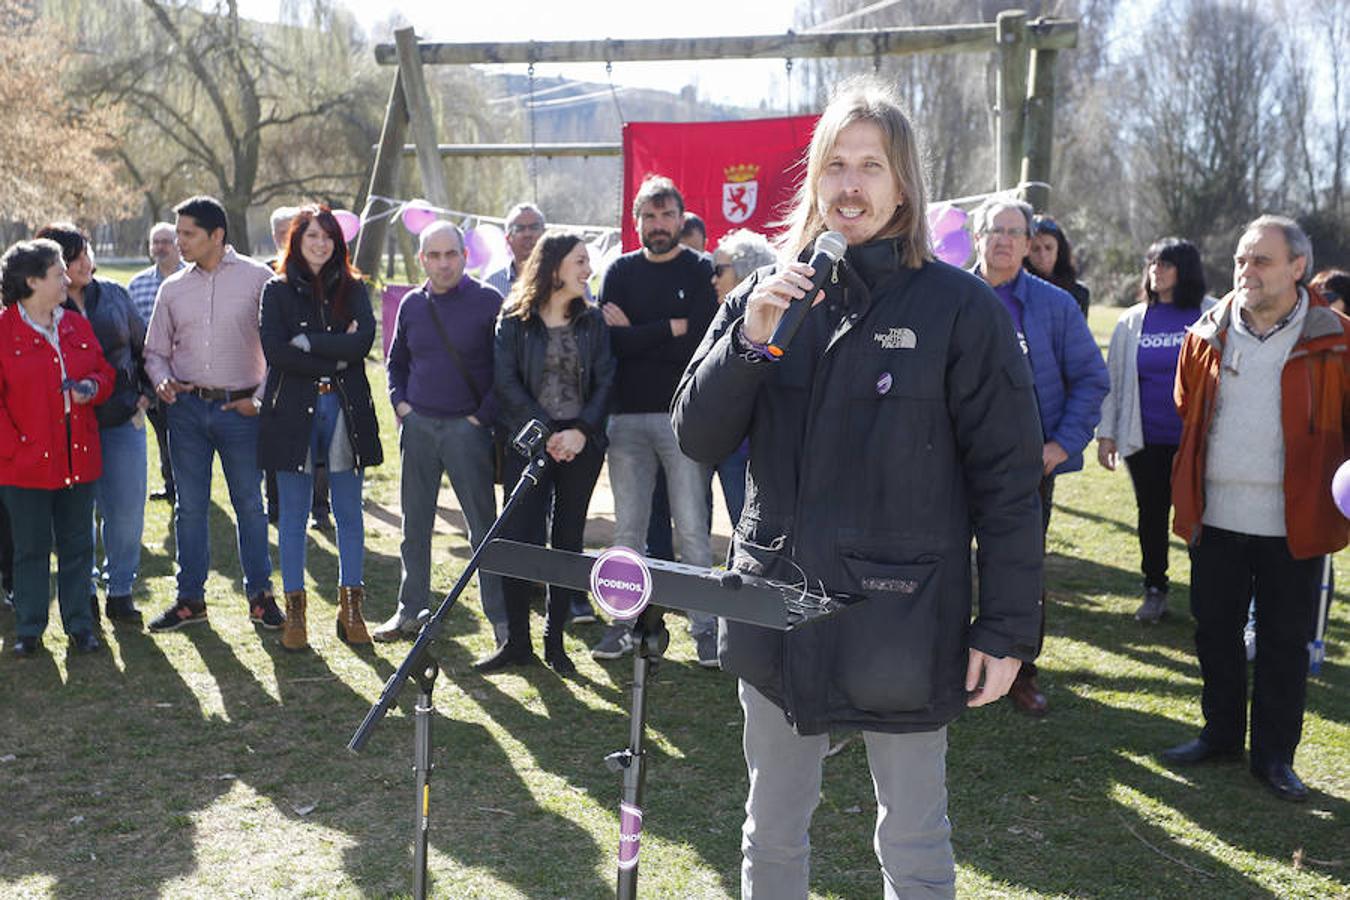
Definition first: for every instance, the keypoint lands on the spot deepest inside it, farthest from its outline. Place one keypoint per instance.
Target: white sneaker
(397, 628)
(617, 643)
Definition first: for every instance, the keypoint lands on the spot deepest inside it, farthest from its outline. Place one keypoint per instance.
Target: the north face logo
(896, 339)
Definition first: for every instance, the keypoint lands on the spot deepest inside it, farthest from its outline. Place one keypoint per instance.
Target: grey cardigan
(1122, 420)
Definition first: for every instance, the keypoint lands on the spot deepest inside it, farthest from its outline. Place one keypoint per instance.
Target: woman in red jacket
(52, 373)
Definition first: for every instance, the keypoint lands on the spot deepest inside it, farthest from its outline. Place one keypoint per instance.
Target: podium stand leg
(651, 641)
(422, 767)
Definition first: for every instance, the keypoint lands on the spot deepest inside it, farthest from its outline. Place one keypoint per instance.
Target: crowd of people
(919, 407)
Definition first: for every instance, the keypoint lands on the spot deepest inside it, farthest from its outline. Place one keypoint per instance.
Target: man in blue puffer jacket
(1071, 378)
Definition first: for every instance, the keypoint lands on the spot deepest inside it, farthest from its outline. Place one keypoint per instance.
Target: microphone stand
(650, 641)
(423, 667)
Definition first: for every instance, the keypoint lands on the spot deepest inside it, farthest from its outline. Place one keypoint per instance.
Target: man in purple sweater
(440, 382)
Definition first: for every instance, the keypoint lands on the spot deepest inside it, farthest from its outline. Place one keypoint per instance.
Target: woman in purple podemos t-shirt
(1140, 423)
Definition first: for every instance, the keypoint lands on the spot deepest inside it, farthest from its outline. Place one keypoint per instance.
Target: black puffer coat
(288, 309)
(901, 422)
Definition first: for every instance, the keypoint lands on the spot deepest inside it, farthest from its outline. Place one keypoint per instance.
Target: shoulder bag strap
(454, 354)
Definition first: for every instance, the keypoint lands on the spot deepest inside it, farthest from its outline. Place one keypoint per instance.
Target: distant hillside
(589, 191)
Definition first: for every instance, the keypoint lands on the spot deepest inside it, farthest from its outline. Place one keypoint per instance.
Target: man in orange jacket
(1263, 387)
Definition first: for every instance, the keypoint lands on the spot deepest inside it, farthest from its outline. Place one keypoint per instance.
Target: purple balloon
(1340, 488)
(476, 249)
(417, 215)
(953, 248)
(944, 218)
(349, 222)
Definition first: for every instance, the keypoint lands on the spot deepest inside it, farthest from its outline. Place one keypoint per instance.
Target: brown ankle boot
(351, 627)
(294, 636)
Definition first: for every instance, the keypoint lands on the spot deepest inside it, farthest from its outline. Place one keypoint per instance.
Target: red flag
(739, 174)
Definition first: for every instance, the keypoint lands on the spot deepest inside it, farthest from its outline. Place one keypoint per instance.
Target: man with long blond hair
(900, 423)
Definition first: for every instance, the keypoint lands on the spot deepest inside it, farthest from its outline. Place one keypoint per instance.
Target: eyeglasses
(525, 228)
(721, 268)
(1010, 233)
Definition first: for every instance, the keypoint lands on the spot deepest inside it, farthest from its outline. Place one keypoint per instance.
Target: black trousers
(565, 491)
(1047, 492)
(155, 412)
(6, 550)
(1228, 569)
(1151, 473)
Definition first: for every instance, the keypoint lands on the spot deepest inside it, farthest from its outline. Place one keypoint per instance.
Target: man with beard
(658, 301)
(900, 423)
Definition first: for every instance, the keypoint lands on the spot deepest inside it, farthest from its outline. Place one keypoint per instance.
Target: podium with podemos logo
(624, 584)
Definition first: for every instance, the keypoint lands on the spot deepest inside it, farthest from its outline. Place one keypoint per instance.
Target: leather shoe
(26, 646)
(1197, 751)
(505, 657)
(560, 663)
(165, 495)
(85, 642)
(1026, 696)
(1280, 778)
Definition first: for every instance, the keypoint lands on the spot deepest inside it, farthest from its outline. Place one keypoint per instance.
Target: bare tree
(216, 103)
(55, 152)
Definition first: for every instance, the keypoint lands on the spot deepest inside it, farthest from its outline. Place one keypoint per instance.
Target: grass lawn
(210, 763)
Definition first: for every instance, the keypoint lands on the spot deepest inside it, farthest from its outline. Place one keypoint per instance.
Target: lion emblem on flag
(739, 192)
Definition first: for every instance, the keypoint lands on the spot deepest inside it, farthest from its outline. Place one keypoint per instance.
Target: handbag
(498, 445)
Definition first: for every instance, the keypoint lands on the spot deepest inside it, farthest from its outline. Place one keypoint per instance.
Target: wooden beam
(383, 178)
(549, 150)
(420, 119)
(1012, 94)
(1058, 34)
(1040, 128)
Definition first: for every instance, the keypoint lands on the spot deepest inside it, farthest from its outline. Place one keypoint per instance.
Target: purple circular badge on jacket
(884, 383)
(621, 583)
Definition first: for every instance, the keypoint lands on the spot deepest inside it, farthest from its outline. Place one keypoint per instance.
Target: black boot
(559, 604)
(516, 651)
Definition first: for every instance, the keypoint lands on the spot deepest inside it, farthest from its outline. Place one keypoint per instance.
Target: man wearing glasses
(524, 227)
(1071, 378)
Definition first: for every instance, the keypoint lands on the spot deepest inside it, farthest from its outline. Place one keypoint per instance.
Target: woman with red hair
(317, 328)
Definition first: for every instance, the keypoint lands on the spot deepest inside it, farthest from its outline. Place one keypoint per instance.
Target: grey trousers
(640, 446)
(912, 839)
(428, 447)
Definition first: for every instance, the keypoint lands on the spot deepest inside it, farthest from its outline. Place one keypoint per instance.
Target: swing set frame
(1023, 114)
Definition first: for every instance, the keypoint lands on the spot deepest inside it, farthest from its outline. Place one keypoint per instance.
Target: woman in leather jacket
(317, 328)
(119, 494)
(552, 362)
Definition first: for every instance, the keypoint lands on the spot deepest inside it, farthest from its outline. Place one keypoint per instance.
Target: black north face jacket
(901, 422)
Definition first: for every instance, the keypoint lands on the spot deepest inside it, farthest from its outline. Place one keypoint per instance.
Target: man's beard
(658, 242)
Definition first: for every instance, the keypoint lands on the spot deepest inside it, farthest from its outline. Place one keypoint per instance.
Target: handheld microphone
(829, 249)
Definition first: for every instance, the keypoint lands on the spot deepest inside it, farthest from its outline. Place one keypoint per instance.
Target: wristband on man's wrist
(748, 348)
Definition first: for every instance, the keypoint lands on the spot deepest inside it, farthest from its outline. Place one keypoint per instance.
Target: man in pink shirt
(204, 357)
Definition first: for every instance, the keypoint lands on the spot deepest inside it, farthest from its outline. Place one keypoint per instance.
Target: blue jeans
(731, 473)
(199, 429)
(119, 501)
(40, 519)
(428, 447)
(295, 494)
(640, 445)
